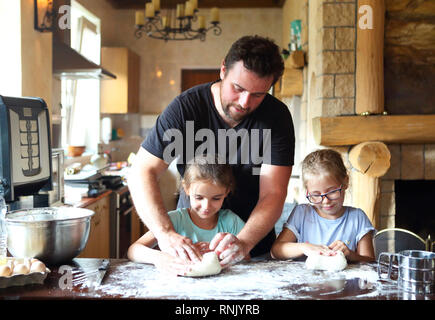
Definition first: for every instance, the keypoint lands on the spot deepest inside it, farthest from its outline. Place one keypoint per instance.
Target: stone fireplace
(374, 84)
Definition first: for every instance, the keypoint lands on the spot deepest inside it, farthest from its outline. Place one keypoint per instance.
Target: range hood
(69, 64)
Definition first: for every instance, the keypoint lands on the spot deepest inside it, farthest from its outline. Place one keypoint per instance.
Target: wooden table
(261, 280)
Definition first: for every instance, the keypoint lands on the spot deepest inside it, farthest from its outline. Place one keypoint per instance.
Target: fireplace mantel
(390, 129)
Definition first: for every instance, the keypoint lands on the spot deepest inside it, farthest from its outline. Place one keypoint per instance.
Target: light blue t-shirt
(228, 221)
(308, 226)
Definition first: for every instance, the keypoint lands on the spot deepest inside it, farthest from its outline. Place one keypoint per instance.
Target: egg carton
(23, 279)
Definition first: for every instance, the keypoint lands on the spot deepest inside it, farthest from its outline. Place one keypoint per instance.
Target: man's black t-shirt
(192, 124)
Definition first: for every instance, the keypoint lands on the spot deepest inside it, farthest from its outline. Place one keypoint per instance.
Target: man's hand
(179, 246)
(203, 247)
(228, 248)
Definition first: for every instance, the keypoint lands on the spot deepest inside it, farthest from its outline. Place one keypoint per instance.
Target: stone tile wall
(408, 162)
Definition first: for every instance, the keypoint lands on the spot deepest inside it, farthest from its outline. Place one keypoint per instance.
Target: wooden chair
(394, 240)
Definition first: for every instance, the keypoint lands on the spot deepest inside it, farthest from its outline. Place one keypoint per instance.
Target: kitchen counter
(262, 280)
(86, 201)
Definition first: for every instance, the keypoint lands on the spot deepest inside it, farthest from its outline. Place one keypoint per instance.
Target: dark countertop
(263, 280)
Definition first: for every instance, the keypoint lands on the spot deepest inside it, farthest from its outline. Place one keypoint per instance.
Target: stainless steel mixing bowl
(52, 235)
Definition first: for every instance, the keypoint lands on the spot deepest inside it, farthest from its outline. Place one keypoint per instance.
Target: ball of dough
(209, 265)
(21, 269)
(5, 271)
(328, 263)
(37, 266)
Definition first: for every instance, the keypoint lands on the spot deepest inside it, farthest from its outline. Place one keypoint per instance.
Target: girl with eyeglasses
(324, 226)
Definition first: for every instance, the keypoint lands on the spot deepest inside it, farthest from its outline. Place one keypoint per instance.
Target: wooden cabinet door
(120, 95)
(98, 245)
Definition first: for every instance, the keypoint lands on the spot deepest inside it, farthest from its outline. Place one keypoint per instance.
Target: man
(237, 118)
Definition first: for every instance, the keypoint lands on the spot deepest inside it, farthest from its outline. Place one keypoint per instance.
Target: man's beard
(233, 116)
(226, 109)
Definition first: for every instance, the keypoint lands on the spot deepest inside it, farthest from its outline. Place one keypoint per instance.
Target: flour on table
(336, 262)
(209, 265)
(274, 279)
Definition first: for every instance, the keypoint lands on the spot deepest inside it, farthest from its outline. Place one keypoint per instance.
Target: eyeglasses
(331, 195)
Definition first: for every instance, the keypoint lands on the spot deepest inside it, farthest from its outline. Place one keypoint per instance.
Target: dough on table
(328, 263)
(209, 265)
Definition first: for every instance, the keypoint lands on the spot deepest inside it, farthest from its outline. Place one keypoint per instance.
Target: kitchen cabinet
(98, 245)
(120, 95)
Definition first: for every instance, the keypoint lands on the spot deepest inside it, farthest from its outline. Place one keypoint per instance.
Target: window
(81, 98)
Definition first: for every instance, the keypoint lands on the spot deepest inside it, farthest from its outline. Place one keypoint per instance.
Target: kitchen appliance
(90, 183)
(69, 64)
(415, 270)
(56, 196)
(52, 235)
(25, 149)
(121, 216)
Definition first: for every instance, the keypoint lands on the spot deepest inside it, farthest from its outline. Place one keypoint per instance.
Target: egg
(37, 266)
(26, 262)
(5, 271)
(10, 264)
(21, 269)
(33, 260)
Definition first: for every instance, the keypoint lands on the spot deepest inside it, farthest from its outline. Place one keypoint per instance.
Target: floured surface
(248, 280)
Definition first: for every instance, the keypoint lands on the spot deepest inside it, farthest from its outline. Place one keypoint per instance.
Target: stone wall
(331, 87)
(408, 162)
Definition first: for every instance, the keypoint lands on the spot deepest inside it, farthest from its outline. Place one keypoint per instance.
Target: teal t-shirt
(228, 221)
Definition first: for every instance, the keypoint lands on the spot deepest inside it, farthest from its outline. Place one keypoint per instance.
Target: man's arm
(273, 191)
(144, 188)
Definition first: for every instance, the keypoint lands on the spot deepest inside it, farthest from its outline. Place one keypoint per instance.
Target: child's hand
(203, 247)
(172, 265)
(339, 245)
(309, 249)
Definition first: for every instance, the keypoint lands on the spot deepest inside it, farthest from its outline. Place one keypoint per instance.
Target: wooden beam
(371, 160)
(350, 130)
(292, 82)
(370, 57)
(366, 195)
(296, 60)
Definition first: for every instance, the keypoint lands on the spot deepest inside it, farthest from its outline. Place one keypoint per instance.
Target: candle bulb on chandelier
(149, 10)
(156, 4)
(180, 10)
(214, 14)
(194, 4)
(140, 19)
(201, 22)
(189, 9)
(164, 22)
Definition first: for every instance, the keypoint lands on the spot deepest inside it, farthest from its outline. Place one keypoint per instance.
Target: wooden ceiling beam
(166, 4)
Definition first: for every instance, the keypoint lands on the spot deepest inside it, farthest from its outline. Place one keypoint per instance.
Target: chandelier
(175, 24)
